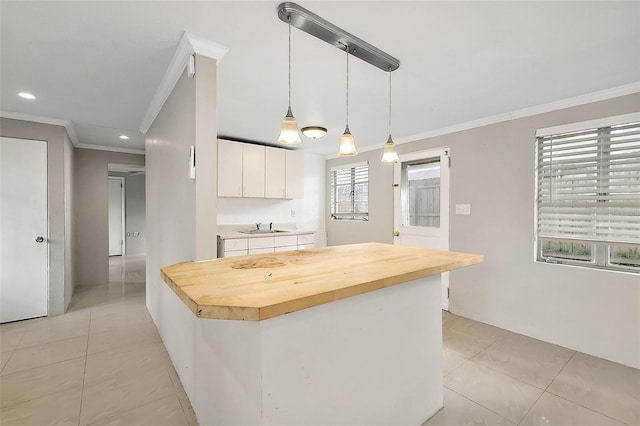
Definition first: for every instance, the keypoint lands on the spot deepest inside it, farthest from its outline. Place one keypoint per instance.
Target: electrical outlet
(464, 209)
(293, 213)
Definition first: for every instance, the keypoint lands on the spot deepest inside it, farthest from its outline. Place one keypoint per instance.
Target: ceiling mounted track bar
(311, 23)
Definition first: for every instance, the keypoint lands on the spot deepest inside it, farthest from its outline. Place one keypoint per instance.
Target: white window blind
(589, 184)
(350, 192)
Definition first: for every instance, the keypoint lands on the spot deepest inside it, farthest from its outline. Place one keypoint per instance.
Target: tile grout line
(547, 387)
(574, 402)
(467, 360)
(84, 372)
(13, 351)
(480, 405)
(184, 411)
(517, 379)
(588, 408)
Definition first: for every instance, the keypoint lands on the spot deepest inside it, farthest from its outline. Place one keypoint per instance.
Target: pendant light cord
(289, 61)
(389, 101)
(347, 49)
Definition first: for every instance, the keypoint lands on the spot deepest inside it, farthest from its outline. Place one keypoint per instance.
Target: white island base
(375, 358)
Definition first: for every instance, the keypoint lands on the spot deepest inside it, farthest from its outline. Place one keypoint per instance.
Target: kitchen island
(337, 335)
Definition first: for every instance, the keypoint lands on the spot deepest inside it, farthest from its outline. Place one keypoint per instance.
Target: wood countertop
(262, 286)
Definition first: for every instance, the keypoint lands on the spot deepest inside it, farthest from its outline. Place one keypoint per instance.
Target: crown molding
(204, 47)
(188, 45)
(71, 131)
(110, 148)
(602, 95)
(34, 118)
(68, 125)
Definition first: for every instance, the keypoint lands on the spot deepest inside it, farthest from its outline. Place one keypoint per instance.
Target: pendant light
(289, 130)
(389, 154)
(347, 143)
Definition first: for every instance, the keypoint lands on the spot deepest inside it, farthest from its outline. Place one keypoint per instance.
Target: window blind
(350, 192)
(589, 184)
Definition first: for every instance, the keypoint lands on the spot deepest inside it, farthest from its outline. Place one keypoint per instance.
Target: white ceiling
(98, 64)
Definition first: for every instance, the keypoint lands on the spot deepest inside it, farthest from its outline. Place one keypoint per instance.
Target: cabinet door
(229, 169)
(274, 176)
(305, 239)
(261, 242)
(261, 250)
(253, 170)
(235, 253)
(294, 174)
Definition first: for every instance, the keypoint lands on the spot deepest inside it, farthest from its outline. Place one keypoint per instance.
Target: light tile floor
(495, 377)
(103, 363)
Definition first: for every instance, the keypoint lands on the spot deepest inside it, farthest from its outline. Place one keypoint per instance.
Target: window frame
(601, 250)
(352, 215)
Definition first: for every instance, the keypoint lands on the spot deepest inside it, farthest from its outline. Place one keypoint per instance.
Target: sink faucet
(270, 226)
(258, 225)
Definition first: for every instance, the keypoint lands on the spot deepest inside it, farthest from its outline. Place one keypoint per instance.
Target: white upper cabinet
(248, 170)
(229, 168)
(274, 173)
(253, 170)
(294, 165)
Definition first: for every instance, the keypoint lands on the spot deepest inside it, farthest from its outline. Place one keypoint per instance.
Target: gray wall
(135, 214)
(181, 213)
(91, 215)
(597, 312)
(60, 180)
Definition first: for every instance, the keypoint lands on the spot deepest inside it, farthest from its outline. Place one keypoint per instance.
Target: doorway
(421, 204)
(116, 216)
(127, 223)
(24, 243)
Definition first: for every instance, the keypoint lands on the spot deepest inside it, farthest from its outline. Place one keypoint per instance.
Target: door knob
(39, 239)
(396, 234)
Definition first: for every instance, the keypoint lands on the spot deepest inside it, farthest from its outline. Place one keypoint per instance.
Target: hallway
(100, 363)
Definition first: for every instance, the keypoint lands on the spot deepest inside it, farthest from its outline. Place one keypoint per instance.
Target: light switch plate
(464, 209)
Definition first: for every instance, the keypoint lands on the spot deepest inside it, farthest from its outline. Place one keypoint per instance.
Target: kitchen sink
(262, 231)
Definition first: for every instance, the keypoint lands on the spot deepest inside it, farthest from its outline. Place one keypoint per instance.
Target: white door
(116, 216)
(24, 251)
(421, 203)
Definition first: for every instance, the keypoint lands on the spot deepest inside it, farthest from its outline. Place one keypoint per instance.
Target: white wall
(180, 211)
(592, 311)
(309, 211)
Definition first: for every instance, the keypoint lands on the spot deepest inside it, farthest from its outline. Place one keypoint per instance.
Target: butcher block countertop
(262, 286)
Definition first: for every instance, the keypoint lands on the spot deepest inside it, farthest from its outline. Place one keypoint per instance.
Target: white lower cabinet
(234, 253)
(231, 247)
(286, 240)
(306, 239)
(261, 250)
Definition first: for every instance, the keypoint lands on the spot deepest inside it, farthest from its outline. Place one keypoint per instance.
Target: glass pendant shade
(347, 144)
(289, 134)
(289, 130)
(389, 154)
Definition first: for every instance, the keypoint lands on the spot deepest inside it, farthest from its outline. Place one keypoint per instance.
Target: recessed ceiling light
(26, 95)
(125, 137)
